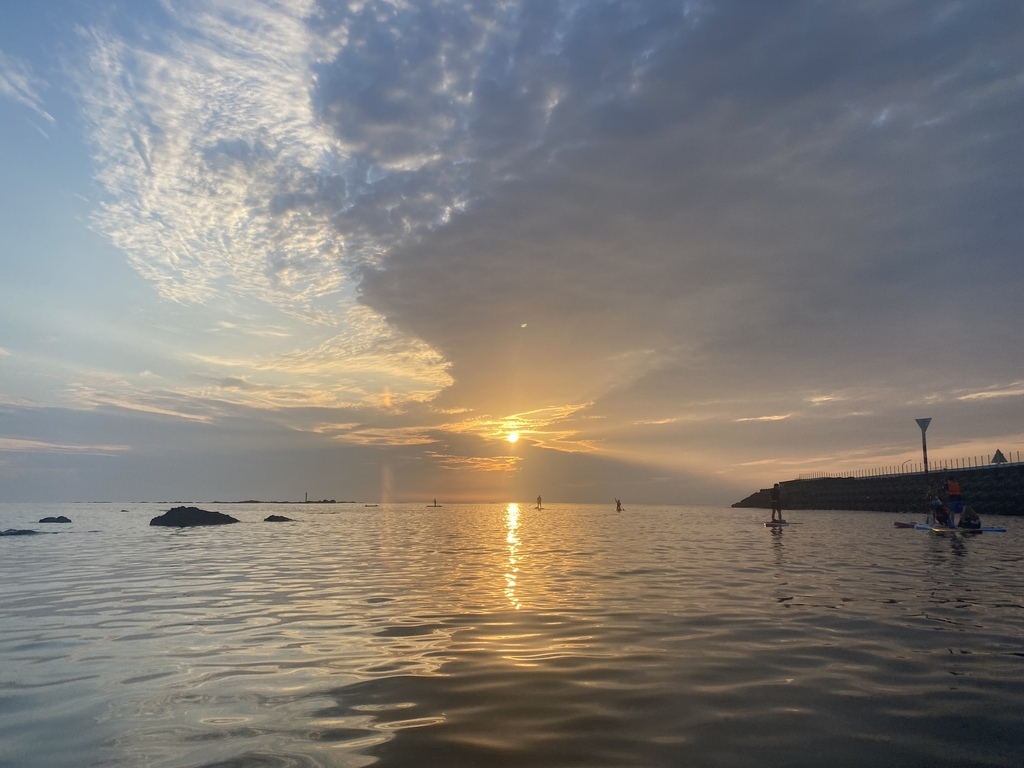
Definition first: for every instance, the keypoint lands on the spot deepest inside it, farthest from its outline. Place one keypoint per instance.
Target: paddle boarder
(776, 497)
(934, 505)
(956, 499)
(969, 519)
(618, 505)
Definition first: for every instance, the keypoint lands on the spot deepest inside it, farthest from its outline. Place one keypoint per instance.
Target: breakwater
(991, 490)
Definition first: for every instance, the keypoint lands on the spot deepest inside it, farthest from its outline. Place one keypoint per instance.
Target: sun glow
(513, 436)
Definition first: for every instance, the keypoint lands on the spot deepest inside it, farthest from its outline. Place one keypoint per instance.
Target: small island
(184, 517)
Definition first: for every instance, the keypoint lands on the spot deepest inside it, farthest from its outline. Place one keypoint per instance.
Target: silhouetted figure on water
(776, 497)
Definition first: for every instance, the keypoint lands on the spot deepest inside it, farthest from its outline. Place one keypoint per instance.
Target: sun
(513, 436)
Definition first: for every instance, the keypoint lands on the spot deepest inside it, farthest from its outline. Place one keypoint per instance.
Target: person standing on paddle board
(956, 499)
(776, 497)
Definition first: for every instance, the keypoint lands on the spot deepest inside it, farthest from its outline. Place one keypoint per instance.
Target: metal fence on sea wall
(913, 468)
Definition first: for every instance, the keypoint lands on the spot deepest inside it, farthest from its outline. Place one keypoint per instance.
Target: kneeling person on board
(942, 517)
(969, 519)
(934, 505)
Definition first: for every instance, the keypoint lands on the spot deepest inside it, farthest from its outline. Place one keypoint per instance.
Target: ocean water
(502, 635)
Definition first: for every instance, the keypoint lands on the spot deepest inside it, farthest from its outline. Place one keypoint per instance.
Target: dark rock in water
(183, 517)
(58, 519)
(18, 532)
(278, 519)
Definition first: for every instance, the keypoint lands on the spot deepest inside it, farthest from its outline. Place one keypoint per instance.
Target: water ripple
(481, 637)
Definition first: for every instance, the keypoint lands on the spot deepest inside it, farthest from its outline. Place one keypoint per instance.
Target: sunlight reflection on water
(504, 635)
(512, 523)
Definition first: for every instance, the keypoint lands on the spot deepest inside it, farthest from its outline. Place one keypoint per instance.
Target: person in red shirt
(956, 499)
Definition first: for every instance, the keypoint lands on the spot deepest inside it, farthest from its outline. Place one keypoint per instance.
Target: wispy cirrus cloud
(17, 445)
(476, 463)
(215, 164)
(1016, 389)
(370, 435)
(19, 84)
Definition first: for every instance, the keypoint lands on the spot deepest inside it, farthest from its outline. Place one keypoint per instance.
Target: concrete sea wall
(991, 490)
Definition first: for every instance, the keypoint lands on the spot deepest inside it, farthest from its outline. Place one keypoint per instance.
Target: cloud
(19, 84)
(215, 165)
(718, 194)
(16, 445)
(664, 214)
(1015, 389)
(477, 463)
(368, 435)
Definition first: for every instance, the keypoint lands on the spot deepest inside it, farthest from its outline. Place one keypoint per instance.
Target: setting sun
(513, 436)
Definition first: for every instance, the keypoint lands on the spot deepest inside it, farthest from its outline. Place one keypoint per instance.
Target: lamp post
(923, 424)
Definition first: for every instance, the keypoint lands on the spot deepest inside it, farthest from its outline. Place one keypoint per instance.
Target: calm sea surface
(497, 635)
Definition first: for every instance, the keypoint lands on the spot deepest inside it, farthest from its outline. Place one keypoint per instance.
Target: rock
(183, 517)
(18, 532)
(278, 519)
(58, 519)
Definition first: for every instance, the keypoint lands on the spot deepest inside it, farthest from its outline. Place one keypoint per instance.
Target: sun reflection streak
(512, 539)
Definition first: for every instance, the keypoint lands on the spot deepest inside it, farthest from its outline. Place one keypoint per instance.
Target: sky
(259, 249)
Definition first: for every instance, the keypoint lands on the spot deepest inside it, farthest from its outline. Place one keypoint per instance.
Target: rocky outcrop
(277, 519)
(184, 517)
(18, 532)
(57, 519)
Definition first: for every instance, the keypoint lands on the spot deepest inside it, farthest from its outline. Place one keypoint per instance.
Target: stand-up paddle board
(944, 529)
(775, 524)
